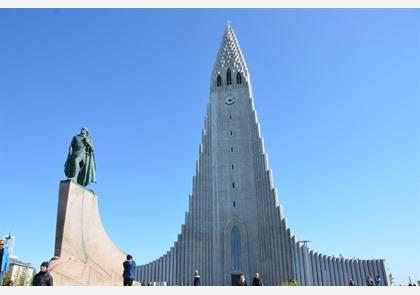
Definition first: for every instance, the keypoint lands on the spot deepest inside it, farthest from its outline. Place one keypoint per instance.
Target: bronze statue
(80, 165)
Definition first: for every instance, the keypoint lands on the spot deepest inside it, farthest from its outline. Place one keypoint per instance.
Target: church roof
(230, 55)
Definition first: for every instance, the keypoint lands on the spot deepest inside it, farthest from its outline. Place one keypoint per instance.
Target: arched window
(229, 77)
(219, 81)
(238, 78)
(235, 249)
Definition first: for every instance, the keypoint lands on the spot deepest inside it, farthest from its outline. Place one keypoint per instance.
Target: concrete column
(366, 269)
(346, 277)
(318, 271)
(296, 273)
(168, 267)
(265, 214)
(291, 254)
(283, 252)
(287, 251)
(182, 254)
(323, 270)
(166, 272)
(353, 272)
(173, 266)
(383, 273)
(145, 273)
(304, 264)
(369, 264)
(152, 271)
(158, 269)
(339, 272)
(375, 269)
(359, 272)
(197, 214)
(333, 271)
(178, 260)
(164, 278)
(312, 269)
(278, 262)
(330, 271)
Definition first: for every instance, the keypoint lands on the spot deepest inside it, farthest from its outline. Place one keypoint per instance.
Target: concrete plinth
(86, 254)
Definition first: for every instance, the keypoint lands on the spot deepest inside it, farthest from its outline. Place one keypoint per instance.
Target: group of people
(369, 281)
(42, 278)
(256, 281)
(129, 275)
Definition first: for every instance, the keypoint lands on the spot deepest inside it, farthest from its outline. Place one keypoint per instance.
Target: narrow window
(233, 184)
(235, 249)
(229, 77)
(231, 133)
(219, 81)
(230, 117)
(232, 166)
(239, 78)
(231, 149)
(234, 203)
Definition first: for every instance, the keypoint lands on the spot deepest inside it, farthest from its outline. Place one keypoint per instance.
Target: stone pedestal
(84, 253)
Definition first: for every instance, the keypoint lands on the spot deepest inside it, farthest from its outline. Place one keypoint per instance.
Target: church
(235, 223)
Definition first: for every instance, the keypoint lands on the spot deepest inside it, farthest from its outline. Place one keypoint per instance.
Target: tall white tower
(235, 224)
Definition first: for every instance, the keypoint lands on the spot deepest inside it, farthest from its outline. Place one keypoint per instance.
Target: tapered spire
(229, 55)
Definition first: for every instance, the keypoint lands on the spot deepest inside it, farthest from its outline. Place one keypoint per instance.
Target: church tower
(235, 223)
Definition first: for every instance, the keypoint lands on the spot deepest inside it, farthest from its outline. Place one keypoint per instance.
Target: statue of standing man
(80, 165)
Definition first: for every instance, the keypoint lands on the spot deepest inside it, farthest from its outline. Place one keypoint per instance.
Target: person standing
(129, 271)
(43, 278)
(256, 281)
(196, 279)
(378, 281)
(242, 281)
(4, 261)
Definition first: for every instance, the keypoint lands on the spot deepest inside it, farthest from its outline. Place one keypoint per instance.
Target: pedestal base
(85, 255)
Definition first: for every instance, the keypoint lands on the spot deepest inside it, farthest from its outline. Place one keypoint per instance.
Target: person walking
(196, 278)
(256, 281)
(242, 281)
(43, 278)
(129, 271)
(4, 261)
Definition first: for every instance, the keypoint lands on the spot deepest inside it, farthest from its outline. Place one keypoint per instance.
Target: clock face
(230, 100)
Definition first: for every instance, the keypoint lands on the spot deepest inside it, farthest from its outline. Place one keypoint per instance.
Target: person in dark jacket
(257, 281)
(129, 271)
(242, 281)
(196, 278)
(43, 278)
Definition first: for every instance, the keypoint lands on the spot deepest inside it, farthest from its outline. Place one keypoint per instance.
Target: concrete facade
(233, 191)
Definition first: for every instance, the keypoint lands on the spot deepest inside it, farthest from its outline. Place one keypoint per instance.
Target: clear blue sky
(337, 94)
